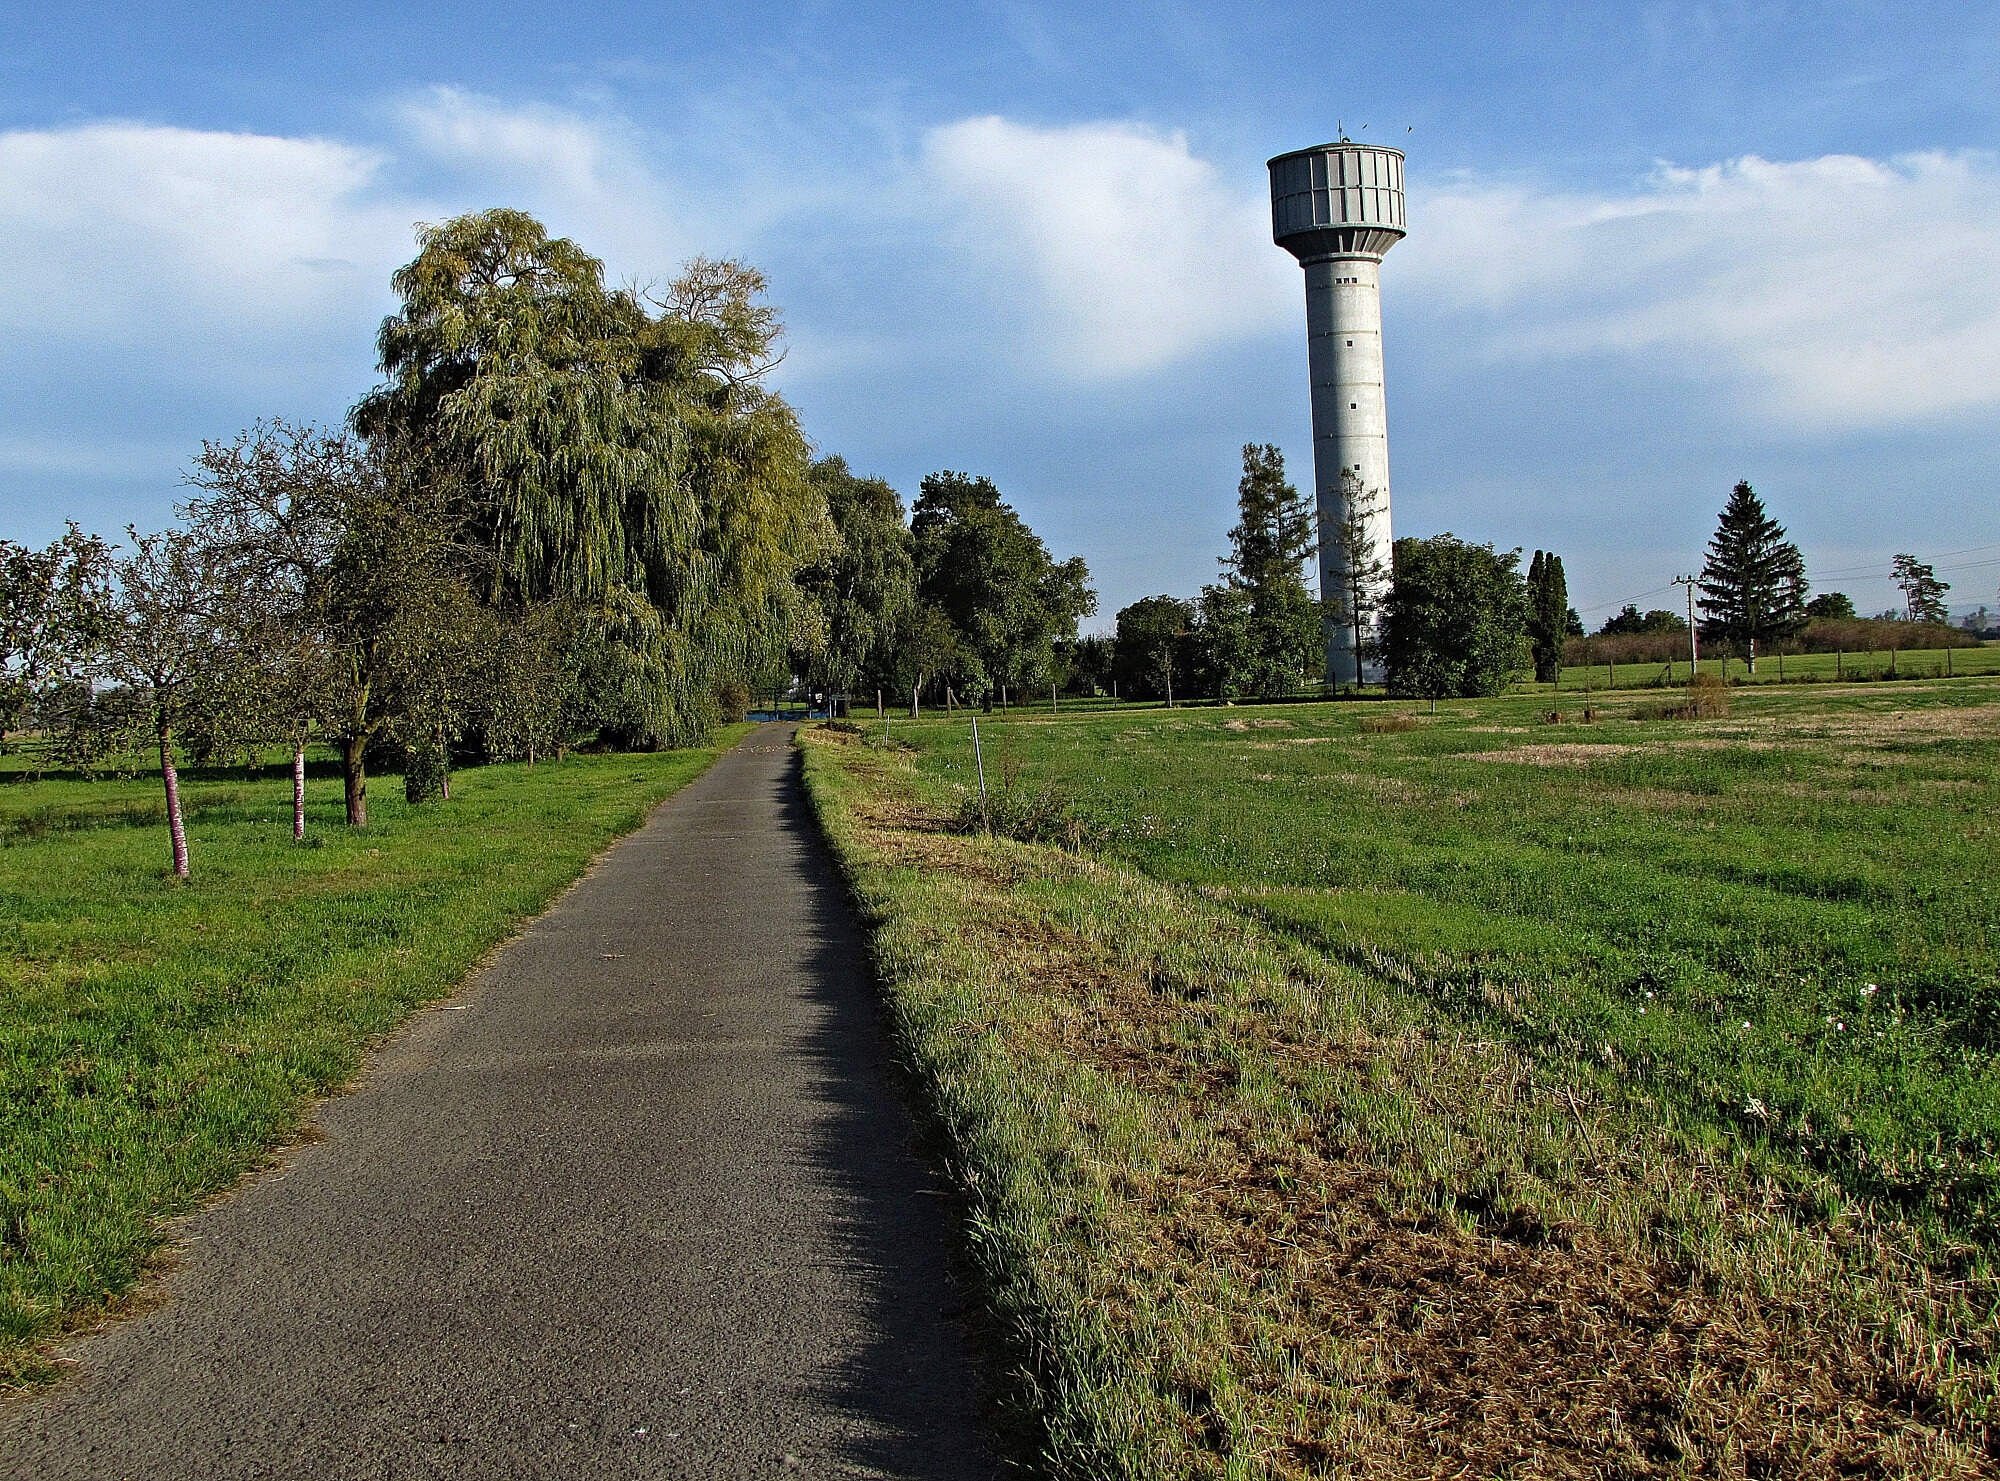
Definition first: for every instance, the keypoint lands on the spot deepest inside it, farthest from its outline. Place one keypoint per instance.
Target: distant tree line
(569, 514)
(1754, 599)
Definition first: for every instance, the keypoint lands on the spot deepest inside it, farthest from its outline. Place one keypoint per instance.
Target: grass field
(1380, 1095)
(156, 1038)
(1792, 668)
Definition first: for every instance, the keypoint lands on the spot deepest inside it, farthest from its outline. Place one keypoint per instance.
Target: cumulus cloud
(1831, 292)
(589, 177)
(1139, 252)
(121, 234)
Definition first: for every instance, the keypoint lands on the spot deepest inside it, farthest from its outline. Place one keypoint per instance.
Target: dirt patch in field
(1256, 725)
(1484, 1343)
(1556, 753)
(1935, 722)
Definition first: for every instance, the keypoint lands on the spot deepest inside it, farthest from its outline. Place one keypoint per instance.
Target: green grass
(1327, 1005)
(1791, 668)
(1818, 868)
(158, 1037)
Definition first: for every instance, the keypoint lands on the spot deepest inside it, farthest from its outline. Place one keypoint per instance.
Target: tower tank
(1338, 208)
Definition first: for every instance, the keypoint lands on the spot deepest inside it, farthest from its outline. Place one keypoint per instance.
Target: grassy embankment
(1481, 1097)
(156, 1038)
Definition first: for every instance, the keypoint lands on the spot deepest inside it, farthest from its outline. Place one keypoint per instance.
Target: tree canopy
(1923, 593)
(989, 579)
(1266, 632)
(1359, 573)
(863, 589)
(1455, 620)
(608, 444)
(1154, 648)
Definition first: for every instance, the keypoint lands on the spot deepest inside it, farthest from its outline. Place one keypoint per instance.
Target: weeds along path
(1249, 1211)
(639, 1201)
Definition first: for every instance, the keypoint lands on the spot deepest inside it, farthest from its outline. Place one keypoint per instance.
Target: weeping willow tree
(619, 451)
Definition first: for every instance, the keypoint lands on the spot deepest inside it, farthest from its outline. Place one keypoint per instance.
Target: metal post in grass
(979, 763)
(880, 713)
(1052, 698)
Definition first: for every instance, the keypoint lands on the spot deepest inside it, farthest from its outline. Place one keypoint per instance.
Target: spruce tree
(1753, 585)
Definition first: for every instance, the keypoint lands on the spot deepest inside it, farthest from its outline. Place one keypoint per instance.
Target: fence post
(979, 761)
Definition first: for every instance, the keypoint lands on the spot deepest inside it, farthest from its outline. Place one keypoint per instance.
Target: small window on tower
(1350, 344)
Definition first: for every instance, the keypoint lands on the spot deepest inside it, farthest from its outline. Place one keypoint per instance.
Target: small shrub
(732, 700)
(426, 770)
(1387, 724)
(1707, 699)
(1045, 814)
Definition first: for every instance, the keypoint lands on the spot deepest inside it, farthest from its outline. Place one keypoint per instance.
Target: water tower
(1338, 208)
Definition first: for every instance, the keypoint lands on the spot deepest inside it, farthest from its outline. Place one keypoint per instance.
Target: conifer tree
(1753, 585)
(1548, 614)
(1923, 593)
(1360, 574)
(1281, 625)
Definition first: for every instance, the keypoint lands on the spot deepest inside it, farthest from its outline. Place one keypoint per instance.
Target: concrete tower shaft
(1338, 208)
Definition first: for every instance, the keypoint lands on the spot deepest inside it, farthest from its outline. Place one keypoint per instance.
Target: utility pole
(1694, 647)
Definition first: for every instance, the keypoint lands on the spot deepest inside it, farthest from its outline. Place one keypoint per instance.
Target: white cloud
(123, 234)
(1832, 292)
(1838, 292)
(1140, 253)
(586, 177)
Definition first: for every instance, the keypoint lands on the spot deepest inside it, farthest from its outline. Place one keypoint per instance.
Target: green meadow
(158, 1037)
(1487, 1092)
(1792, 668)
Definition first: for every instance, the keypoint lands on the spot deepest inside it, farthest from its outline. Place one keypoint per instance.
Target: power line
(1627, 601)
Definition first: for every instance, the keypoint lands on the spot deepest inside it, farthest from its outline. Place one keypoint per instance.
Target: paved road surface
(639, 1202)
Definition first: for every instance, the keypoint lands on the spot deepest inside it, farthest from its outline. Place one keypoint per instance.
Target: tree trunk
(176, 826)
(354, 776)
(298, 792)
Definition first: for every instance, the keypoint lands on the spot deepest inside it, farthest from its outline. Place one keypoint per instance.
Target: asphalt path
(639, 1201)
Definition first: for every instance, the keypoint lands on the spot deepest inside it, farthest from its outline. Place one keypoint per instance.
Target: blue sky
(1654, 248)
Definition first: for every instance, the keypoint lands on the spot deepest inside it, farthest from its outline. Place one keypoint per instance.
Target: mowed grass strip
(157, 1038)
(1252, 1208)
